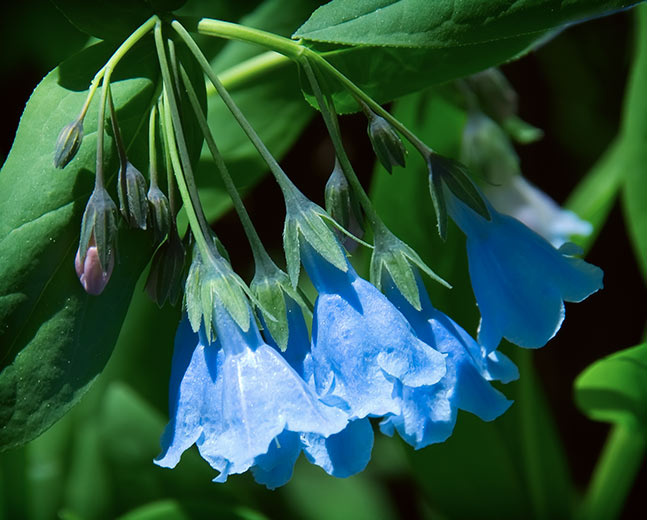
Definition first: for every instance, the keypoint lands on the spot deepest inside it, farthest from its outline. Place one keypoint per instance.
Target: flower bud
(165, 278)
(99, 230)
(343, 207)
(495, 94)
(386, 143)
(159, 213)
(68, 143)
(132, 196)
(92, 276)
(487, 151)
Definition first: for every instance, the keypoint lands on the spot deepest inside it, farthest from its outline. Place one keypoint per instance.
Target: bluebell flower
(342, 454)
(428, 413)
(237, 399)
(363, 348)
(516, 197)
(520, 281)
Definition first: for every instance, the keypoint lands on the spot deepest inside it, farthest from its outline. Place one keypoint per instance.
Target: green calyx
(306, 221)
(396, 258)
(454, 175)
(99, 225)
(68, 143)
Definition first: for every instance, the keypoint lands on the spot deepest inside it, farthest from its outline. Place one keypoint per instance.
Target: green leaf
(56, 338)
(634, 131)
(594, 196)
(443, 24)
(390, 49)
(613, 388)
(175, 510)
(113, 19)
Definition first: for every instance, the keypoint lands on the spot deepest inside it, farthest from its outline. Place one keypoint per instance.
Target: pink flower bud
(91, 275)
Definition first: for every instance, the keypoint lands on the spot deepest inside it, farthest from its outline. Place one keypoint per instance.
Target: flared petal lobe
(520, 281)
(428, 413)
(362, 346)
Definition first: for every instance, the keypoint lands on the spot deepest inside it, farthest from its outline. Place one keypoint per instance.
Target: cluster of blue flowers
(372, 354)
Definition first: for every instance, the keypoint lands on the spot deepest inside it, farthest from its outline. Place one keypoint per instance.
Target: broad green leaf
(613, 389)
(442, 23)
(268, 96)
(55, 338)
(393, 48)
(634, 132)
(113, 19)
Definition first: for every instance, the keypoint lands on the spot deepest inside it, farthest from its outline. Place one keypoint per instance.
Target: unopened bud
(68, 143)
(386, 143)
(159, 213)
(132, 196)
(91, 274)
(166, 276)
(495, 94)
(343, 207)
(99, 228)
(487, 150)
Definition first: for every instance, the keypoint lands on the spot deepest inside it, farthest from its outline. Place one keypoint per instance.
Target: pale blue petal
(520, 281)
(274, 468)
(342, 454)
(191, 387)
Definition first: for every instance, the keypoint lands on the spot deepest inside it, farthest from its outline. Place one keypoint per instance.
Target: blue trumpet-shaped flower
(341, 454)
(428, 413)
(238, 399)
(520, 281)
(363, 348)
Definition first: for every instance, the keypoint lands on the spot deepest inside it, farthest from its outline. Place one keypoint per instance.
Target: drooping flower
(428, 413)
(341, 454)
(520, 281)
(527, 203)
(237, 399)
(362, 346)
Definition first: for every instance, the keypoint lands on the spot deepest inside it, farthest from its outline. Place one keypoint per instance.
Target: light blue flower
(342, 454)
(428, 413)
(237, 399)
(363, 348)
(520, 281)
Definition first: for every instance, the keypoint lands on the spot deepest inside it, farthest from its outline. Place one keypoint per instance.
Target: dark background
(572, 88)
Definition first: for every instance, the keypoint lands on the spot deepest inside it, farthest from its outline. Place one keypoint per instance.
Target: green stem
(152, 148)
(205, 250)
(298, 52)
(232, 31)
(344, 161)
(288, 188)
(261, 257)
(614, 474)
(106, 70)
(182, 167)
(249, 69)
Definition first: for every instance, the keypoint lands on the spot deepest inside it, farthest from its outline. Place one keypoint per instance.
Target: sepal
(342, 205)
(131, 188)
(396, 259)
(99, 228)
(211, 283)
(306, 221)
(386, 142)
(160, 215)
(454, 175)
(167, 272)
(68, 143)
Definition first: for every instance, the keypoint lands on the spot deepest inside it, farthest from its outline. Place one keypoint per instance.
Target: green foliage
(613, 389)
(56, 338)
(113, 19)
(394, 48)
